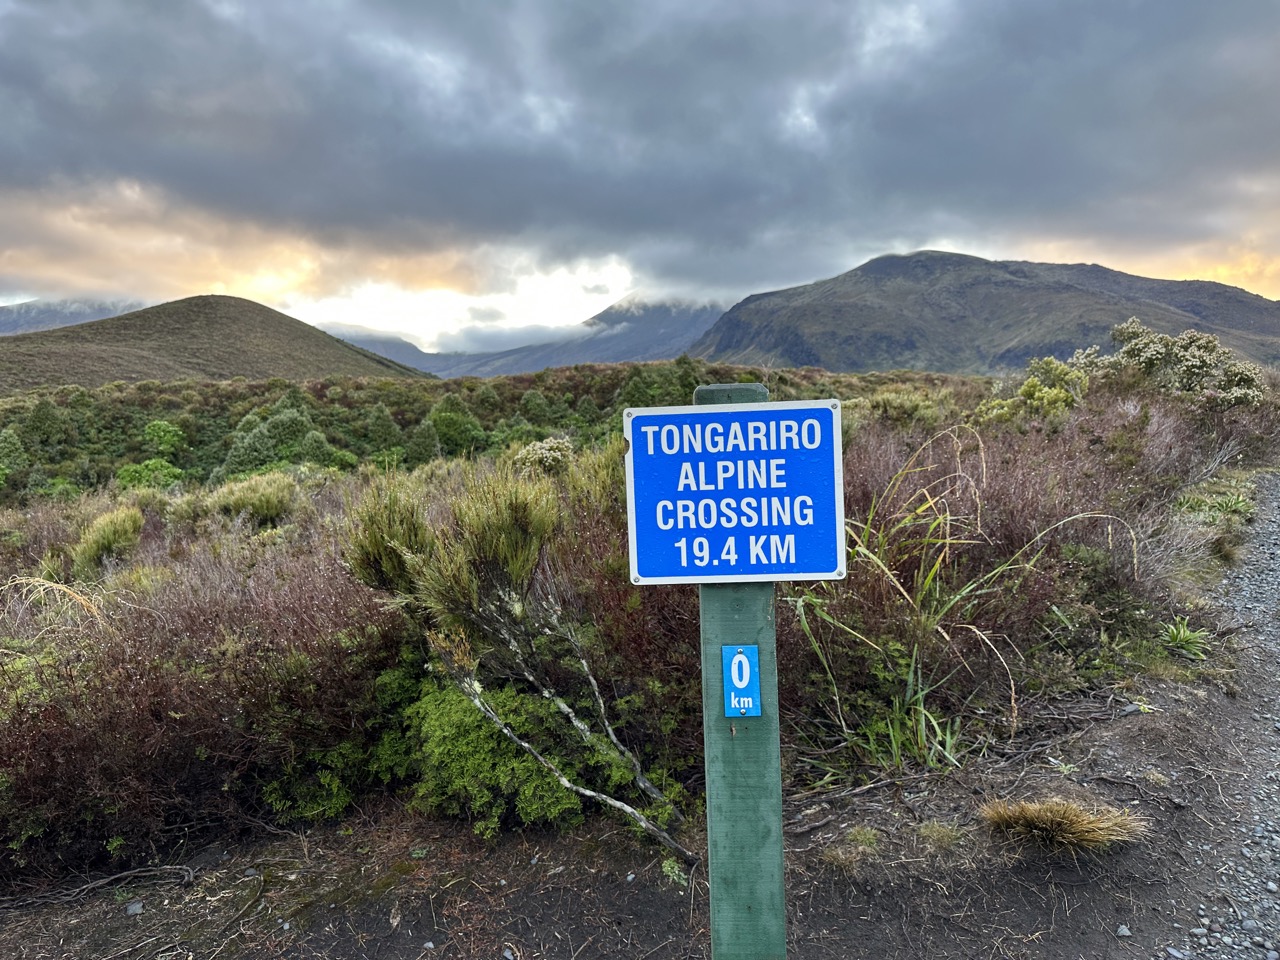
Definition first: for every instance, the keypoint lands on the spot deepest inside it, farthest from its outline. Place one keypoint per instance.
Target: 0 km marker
(735, 492)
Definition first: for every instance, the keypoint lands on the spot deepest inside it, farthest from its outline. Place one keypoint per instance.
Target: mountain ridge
(630, 331)
(958, 313)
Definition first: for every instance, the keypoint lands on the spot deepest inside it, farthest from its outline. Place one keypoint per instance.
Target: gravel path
(1243, 920)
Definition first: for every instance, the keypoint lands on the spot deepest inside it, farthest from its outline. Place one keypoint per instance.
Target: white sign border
(830, 403)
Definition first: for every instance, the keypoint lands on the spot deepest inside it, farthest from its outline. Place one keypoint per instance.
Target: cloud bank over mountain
(709, 149)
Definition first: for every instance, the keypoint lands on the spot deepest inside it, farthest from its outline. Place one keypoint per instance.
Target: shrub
(12, 455)
(458, 431)
(315, 448)
(163, 438)
(251, 450)
(1051, 389)
(423, 445)
(463, 765)
(261, 500)
(1193, 364)
(285, 431)
(550, 456)
(110, 535)
(534, 407)
(380, 431)
(156, 472)
(492, 615)
(390, 519)
(240, 683)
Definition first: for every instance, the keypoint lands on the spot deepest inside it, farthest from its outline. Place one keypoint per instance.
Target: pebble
(1243, 920)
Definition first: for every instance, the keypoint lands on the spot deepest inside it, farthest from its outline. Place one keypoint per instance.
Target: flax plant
(915, 587)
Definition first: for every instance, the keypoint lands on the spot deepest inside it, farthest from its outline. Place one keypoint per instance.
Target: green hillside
(962, 314)
(199, 338)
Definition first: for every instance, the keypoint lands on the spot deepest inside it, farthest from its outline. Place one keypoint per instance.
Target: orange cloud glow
(126, 241)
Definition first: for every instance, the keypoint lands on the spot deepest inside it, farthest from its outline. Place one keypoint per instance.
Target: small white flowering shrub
(1193, 364)
(551, 456)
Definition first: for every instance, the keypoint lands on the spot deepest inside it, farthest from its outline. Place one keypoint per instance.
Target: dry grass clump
(1062, 824)
(940, 837)
(858, 845)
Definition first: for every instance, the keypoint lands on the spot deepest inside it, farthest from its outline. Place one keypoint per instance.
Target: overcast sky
(452, 169)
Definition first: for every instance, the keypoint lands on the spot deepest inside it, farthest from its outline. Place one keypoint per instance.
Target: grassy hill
(955, 313)
(201, 338)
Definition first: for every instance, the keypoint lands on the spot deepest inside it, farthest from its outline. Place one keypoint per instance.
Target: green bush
(423, 445)
(12, 455)
(389, 519)
(1049, 392)
(262, 499)
(315, 448)
(380, 431)
(250, 451)
(534, 407)
(109, 536)
(163, 438)
(464, 766)
(156, 472)
(458, 430)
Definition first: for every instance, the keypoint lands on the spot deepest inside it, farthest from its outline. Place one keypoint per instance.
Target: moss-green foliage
(535, 408)
(422, 445)
(661, 385)
(82, 437)
(909, 407)
(519, 663)
(477, 579)
(109, 536)
(314, 448)
(381, 432)
(463, 765)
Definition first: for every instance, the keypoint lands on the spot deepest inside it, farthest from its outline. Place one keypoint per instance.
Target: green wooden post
(743, 761)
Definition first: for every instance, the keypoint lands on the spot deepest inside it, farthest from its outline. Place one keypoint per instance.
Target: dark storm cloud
(716, 144)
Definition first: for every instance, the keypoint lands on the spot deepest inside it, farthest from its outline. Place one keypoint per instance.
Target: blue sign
(741, 681)
(735, 492)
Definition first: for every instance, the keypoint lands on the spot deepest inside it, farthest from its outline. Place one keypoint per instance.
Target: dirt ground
(898, 869)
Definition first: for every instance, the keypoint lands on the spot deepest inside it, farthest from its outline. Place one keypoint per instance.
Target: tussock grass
(941, 837)
(858, 845)
(1062, 824)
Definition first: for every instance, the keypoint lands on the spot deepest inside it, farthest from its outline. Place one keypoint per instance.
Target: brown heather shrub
(135, 720)
(1078, 517)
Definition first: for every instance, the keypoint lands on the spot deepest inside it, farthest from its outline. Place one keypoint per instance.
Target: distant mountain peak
(952, 312)
(42, 314)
